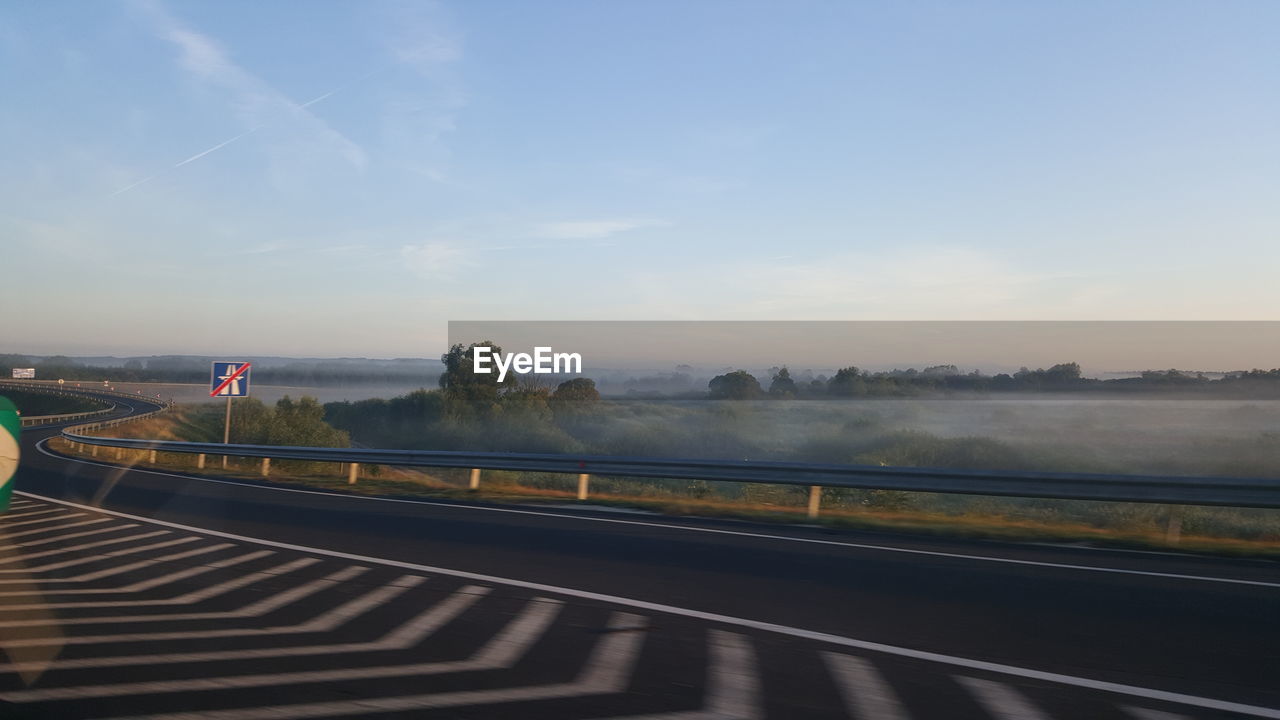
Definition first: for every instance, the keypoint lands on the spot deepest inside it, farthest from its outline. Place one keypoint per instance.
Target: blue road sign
(230, 379)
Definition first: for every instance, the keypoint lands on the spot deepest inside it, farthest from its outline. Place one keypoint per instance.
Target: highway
(134, 593)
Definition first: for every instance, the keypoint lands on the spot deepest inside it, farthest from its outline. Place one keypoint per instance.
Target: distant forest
(852, 382)
(268, 371)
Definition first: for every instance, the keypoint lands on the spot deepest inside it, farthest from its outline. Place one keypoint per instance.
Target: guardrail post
(152, 458)
(583, 478)
(266, 467)
(353, 472)
(815, 499)
(95, 451)
(1173, 531)
(474, 482)
(119, 453)
(200, 461)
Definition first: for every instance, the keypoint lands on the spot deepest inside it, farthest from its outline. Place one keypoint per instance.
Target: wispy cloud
(591, 229)
(257, 103)
(434, 260)
(417, 121)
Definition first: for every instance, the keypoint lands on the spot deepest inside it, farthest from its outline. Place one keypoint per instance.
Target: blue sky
(342, 178)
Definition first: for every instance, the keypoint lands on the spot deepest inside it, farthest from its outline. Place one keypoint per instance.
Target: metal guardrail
(50, 389)
(99, 394)
(1175, 490)
(1237, 492)
(46, 419)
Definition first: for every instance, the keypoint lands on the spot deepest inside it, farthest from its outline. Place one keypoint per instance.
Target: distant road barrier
(59, 391)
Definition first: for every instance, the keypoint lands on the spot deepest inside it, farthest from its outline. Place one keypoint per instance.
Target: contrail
(134, 185)
(250, 131)
(219, 146)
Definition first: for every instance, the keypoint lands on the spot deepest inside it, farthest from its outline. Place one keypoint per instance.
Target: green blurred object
(10, 429)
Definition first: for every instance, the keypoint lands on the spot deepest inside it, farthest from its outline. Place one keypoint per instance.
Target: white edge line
(953, 660)
(693, 528)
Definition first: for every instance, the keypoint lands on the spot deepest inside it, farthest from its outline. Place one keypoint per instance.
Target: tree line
(853, 382)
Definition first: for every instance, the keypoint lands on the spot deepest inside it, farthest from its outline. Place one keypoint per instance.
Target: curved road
(299, 603)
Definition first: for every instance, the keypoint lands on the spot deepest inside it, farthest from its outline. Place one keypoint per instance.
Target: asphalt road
(309, 604)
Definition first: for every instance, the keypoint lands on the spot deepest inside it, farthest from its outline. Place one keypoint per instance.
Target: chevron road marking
(324, 622)
(32, 513)
(100, 557)
(120, 570)
(406, 636)
(1001, 700)
(255, 609)
(60, 538)
(190, 598)
(82, 547)
(866, 694)
(733, 685)
(38, 531)
(606, 671)
(1074, 681)
(500, 653)
(147, 584)
(103, 556)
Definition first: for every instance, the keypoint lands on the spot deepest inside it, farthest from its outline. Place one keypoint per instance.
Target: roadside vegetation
(1224, 438)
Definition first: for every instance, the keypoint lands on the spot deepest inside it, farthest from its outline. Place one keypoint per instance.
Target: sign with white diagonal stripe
(229, 379)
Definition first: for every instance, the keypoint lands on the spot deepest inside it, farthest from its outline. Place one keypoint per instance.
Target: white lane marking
(733, 685)
(190, 598)
(121, 569)
(606, 671)
(953, 660)
(685, 528)
(55, 528)
(406, 636)
(72, 536)
(324, 622)
(27, 557)
(1147, 714)
(146, 584)
(40, 510)
(865, 692)
(502, 652)
(1002, 701)
(99, 558)
(271, 603)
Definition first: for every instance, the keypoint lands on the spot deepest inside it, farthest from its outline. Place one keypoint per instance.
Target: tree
(782, 385)
(575, 395)
(848, 382)
(468, 395)
(737, 385)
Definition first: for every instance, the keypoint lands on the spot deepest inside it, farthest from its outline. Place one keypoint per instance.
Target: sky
(344, 178)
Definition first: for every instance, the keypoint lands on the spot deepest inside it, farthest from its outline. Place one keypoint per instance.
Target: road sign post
(10, 427)
(229, 380)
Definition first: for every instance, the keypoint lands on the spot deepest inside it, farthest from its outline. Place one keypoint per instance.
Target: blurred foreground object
(10, 426)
